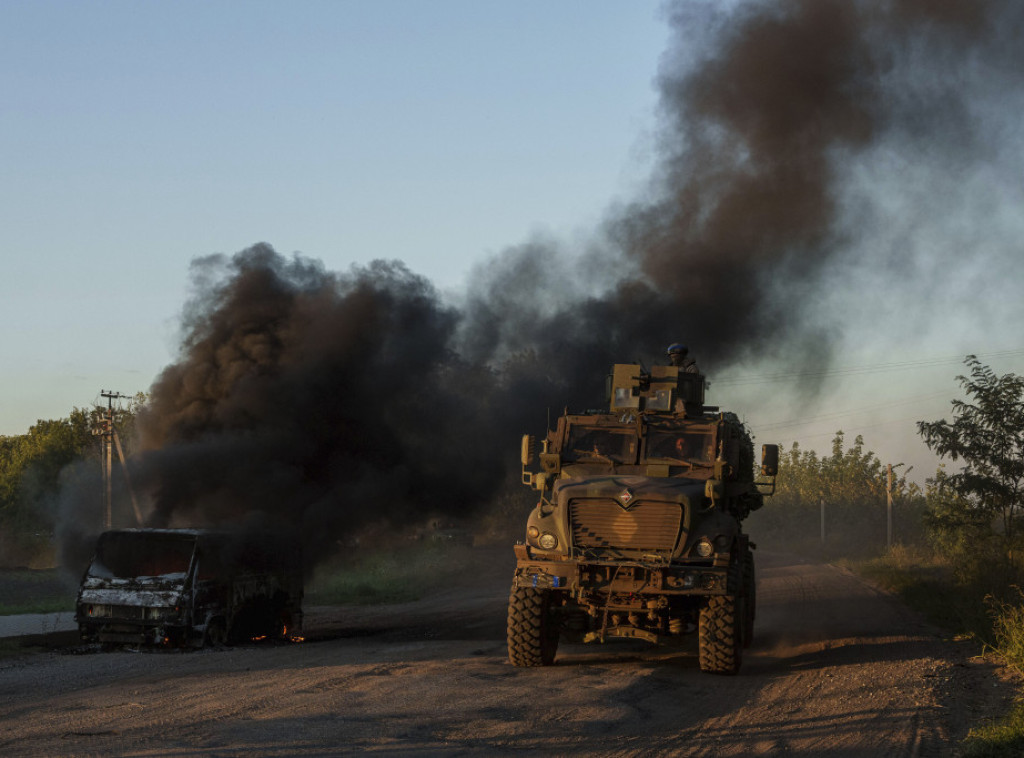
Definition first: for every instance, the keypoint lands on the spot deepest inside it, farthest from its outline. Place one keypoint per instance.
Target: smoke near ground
(328, 400)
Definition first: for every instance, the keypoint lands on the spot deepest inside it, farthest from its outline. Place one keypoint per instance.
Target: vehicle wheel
(532, 630)
(750, 598)
(216, 634)
(719, 635)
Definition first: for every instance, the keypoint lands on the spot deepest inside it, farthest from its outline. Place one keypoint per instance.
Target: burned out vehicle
(637, 533)
(190, 587)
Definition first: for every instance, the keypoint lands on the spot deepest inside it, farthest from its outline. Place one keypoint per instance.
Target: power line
(862, 427)
(775, 425)
(874, 368)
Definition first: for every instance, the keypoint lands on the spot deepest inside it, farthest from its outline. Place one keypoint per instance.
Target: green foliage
(1002, 739)
(983, 499)
(31, 466)
(964, 535)
(852, 484)
(926, 580)
(394, 576)
(1006, 736)
(35, 591)
(1008, 628)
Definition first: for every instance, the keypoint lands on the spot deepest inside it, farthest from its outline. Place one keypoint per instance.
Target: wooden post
(888, 506)
(107, 471)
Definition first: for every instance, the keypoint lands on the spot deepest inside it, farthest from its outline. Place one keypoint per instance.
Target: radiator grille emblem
(625, 498)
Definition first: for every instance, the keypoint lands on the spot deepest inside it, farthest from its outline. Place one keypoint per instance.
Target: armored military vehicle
(637, 533)
(190, 587)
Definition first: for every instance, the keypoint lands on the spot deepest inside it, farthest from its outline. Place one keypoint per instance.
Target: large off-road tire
(750, 598)
(720, 634)
(532, 630)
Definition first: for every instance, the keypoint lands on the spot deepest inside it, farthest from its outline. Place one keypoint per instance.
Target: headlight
(704, 548)
(533, 532)
(548, 541)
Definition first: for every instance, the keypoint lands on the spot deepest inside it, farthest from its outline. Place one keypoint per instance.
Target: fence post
(888, 506)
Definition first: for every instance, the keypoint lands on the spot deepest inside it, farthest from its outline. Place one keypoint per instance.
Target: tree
(987, 436)
(852, 483)
(30, 466)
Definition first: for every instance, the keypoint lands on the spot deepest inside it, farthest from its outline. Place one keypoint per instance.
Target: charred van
(190, 587)
(637, 533)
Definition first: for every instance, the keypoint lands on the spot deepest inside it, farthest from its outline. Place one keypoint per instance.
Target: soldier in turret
(678, 356)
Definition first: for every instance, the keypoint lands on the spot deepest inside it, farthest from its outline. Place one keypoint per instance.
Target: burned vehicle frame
(190, 587)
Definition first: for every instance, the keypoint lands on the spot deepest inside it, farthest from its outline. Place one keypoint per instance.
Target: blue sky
(136, 136)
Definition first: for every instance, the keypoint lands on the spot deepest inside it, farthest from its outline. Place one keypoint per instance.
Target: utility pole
(108, 440)
(889, 501)
(822, 520)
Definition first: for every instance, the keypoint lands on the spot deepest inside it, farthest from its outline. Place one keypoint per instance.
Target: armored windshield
(589, 444)
(694, 446)
(129, 555)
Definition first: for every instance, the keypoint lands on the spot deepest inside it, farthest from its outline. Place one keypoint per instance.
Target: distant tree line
(33, 467)
(969, 512)
(849, 487)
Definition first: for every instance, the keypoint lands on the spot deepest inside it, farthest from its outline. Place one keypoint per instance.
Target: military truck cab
(637, 532)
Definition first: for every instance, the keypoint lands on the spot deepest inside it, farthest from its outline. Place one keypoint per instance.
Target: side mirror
(528, 449)
(769, 460)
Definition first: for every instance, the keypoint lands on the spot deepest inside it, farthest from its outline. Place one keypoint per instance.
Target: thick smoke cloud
(328, 400)
(769, 111)
(314, 401)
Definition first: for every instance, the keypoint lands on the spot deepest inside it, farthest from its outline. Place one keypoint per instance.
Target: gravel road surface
(838, 669)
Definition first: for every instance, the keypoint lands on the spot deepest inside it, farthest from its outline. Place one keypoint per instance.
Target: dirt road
(837, 669)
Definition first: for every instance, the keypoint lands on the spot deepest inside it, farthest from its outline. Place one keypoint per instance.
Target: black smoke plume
(325, 401)
(319, 401)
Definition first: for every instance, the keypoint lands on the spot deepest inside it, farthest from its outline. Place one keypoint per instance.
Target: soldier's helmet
(677, 353)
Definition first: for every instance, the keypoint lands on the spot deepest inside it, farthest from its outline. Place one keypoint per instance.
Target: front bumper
(577, 575)
(136, 625)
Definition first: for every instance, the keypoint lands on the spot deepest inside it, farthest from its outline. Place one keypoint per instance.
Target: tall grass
(392, 576)
(930, 583)
(35, 591)
(1008, 628)
(1006, 736)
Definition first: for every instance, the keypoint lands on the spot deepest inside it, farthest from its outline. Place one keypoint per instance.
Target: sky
(136, 137)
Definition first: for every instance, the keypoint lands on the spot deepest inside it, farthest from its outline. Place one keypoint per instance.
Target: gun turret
(663, 389)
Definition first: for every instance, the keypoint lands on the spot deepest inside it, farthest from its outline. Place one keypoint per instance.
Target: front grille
(134, 612)
(647, 526)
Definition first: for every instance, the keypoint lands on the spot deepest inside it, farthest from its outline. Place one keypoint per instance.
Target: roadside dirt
(838, 669)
